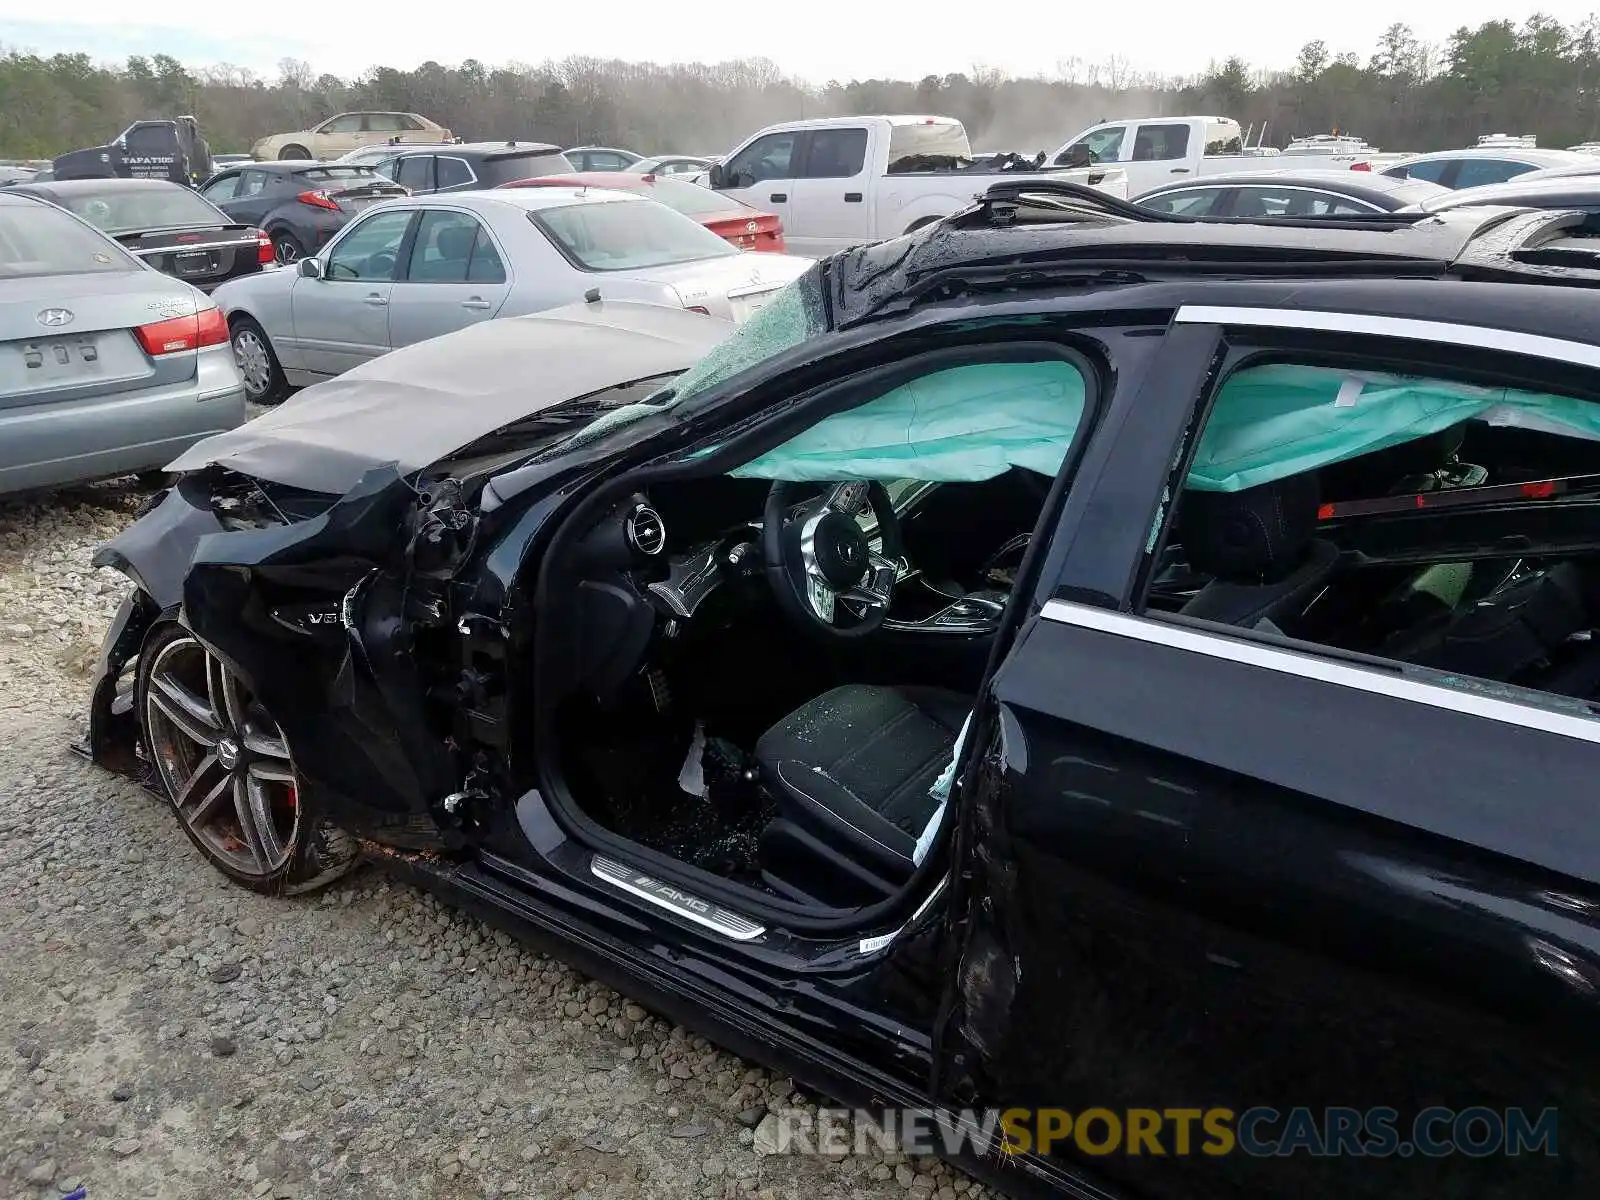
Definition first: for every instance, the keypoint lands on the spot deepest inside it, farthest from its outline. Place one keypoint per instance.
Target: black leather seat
(851, 773)
(1258, 547)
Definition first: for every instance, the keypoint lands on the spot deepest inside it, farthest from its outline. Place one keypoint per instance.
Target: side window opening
(769, 157)
(1097, 146)
(966, 441)
(1195, 202)
(1475, 172)
(416, 172)
(1430, 170)
(226, 188)
(442, 250)
(836, 154)
(368, 252)
(1159, 143)
(451, 172)
(1429, 521)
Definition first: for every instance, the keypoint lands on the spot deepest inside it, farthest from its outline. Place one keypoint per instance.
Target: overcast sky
(820, 40)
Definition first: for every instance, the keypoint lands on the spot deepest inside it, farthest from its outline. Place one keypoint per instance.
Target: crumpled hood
(416, 405)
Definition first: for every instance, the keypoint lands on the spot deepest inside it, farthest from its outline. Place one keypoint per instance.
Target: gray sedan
(1264, 195)
(106, 365)
(412, 269)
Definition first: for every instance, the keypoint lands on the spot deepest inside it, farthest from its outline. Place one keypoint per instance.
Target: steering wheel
(381, 263)
(818, 562)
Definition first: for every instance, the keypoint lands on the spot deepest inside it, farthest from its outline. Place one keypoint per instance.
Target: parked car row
(300, 205)
(735, 222)
(1307, 193)
(1481, 165)
(470, 166)
(419, 267)
(1290, 193)
(169, 226)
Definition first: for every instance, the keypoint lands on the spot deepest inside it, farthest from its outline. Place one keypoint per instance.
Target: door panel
(455, 277)
(1157, 152)
(762, 174)
(1275, 901)
(255, 196)
(342, 319)
(336, 137)
(1212, 871)
(828, 209)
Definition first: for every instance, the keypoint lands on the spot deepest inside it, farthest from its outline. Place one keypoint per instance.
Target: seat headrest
(1254, 536)
(454, 242)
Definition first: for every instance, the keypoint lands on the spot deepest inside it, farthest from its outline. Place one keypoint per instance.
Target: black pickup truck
(1125, 683)
(170, 149)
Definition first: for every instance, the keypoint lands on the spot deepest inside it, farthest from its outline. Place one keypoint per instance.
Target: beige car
(350, 131)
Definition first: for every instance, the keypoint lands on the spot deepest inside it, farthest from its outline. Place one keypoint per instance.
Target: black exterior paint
(1204, 911)
(1175, 880)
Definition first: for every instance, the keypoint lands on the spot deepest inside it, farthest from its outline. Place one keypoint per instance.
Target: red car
(747, 228)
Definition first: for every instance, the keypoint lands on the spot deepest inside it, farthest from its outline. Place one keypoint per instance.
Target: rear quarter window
(1223, 137)
(938, 139)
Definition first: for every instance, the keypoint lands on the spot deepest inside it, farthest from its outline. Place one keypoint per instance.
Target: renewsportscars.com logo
(1263, 1132)
(1258, 1132)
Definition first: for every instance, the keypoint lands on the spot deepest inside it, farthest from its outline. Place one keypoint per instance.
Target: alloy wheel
(254, 361)
(286, 251)
(223, 760)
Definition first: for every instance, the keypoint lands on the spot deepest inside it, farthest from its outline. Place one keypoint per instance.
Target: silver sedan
(107, 366)
(412, 269)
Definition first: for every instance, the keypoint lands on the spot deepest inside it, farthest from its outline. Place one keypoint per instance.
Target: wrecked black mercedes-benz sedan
(1132, 676)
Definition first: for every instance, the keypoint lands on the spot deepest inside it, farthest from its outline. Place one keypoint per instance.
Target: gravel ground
(164, 1034)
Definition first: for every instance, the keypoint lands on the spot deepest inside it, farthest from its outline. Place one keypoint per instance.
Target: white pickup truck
(842, 181)
(1160, 150)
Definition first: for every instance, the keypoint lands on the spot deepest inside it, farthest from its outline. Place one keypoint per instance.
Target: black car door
(257, 194)
(1242, 918)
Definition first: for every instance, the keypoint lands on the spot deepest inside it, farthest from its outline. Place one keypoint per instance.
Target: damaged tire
(224, 764)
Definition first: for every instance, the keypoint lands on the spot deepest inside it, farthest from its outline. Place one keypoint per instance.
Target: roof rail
(1010, 194)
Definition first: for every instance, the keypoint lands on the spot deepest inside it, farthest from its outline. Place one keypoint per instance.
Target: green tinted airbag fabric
(959, 425)
(1270, 422)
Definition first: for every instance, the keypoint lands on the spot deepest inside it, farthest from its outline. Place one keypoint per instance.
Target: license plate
(196, 262)
(745, 307)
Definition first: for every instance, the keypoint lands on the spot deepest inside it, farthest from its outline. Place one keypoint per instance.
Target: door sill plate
(675, 900)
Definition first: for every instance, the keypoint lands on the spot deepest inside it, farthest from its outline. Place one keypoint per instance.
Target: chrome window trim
(1480, 337)
(1309, 666)
(187, 248)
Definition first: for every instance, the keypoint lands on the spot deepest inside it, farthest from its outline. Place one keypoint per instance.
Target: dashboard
(655, 563)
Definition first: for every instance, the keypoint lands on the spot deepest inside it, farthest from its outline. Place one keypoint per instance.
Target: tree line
(1540, 77)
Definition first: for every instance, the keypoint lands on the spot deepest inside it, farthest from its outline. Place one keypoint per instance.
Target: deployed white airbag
(959, 425)
(1270, 422)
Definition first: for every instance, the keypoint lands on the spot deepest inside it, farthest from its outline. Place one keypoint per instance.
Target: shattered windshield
(788, 319)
